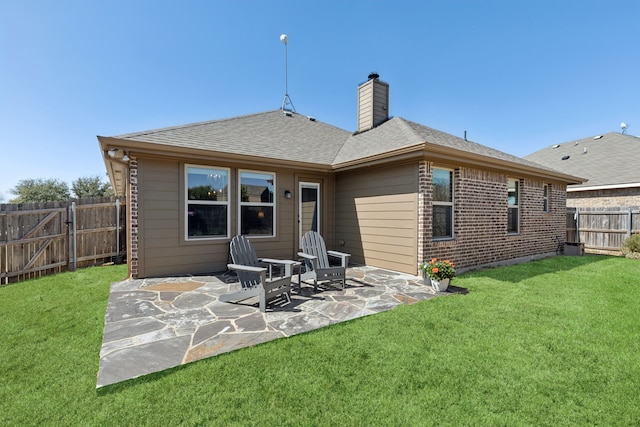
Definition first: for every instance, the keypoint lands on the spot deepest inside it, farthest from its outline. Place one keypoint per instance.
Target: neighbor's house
(610, 162)
(392, 194)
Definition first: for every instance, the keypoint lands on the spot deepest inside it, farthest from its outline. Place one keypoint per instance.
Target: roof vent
(311, 118)
(566, 158)
(288, 113)
(556, 146)
(597, 137)
(584, 151)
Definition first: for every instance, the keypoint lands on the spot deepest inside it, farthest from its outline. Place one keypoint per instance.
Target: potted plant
(439, 272)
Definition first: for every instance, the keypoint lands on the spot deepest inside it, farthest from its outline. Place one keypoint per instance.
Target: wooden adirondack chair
(316, 261)
(253, 276)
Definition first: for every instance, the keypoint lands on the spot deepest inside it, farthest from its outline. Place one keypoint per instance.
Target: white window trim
(316, 186)
(451, 203)
(516, 206)
(546, 198)
(205, 202)
(241, 203)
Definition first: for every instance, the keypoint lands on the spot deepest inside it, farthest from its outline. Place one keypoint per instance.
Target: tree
(91, 186)
(40, 190)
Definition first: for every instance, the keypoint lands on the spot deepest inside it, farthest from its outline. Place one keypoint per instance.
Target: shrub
(631, 247)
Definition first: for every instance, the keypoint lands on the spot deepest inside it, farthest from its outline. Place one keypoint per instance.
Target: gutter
(603, 187)
(429, 151)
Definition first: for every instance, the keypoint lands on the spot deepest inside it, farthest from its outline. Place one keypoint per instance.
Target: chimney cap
(374, 76)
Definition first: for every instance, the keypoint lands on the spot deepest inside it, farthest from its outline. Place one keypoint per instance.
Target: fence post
(73, 234)
(630, 230)
(117, 260)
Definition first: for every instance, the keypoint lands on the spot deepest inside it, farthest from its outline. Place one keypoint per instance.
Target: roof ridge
(195, 124)
(406, 128)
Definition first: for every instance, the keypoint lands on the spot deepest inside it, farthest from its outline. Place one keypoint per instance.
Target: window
(513, 205)
(442, 203)
(257, 203)
(545, 198)
(207, 190)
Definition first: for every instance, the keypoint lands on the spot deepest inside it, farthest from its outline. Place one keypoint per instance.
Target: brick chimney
(373, 103)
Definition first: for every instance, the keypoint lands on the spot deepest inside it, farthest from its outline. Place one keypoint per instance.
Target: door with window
(309, 207)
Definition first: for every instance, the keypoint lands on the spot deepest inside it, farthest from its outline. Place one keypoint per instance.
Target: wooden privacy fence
(602, 229)
(37, 239)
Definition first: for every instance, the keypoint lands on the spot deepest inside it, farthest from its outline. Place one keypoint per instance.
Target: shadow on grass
(528, 270)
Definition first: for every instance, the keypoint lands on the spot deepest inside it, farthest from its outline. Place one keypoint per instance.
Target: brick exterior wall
(604, 198)
(480, 219)
(133, 219)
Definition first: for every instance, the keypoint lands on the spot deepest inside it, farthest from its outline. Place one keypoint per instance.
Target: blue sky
(517, 76)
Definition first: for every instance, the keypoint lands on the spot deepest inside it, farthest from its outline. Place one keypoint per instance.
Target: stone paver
(156, 324)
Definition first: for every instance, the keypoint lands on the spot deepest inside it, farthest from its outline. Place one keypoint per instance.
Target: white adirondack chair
(253, 276)
(316, 261)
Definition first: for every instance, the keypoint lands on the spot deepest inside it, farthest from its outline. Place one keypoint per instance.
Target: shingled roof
(290, 136)
(607, 161)
(285, 137)
(398, 133)
(273, 134)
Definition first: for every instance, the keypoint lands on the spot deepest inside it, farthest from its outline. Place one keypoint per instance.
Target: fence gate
(37, 239)
(34, 242)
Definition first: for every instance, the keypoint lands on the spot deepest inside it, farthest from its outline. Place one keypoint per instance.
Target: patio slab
(160, 323)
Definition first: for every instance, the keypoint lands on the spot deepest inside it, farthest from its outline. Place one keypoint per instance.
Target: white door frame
(314, 185)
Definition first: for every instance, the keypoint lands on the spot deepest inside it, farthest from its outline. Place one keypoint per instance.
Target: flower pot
(440, 285)
(426, 279)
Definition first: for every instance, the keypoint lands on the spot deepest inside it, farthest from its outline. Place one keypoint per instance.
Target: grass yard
(548, 343)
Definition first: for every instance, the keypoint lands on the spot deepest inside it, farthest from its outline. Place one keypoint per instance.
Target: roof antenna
(287, 100)
(624, 127)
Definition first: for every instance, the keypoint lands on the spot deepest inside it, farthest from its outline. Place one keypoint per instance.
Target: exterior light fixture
(287, 194)
(113, 154)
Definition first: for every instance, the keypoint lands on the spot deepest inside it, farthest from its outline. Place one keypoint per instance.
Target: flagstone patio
(155, 324)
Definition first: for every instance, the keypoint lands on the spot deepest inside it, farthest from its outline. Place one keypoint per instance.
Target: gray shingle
(294, 137)
(399, 133)
(613, 159)
(271, 135)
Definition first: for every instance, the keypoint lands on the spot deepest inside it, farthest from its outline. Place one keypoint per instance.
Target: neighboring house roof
(607, 161)
(286, 137)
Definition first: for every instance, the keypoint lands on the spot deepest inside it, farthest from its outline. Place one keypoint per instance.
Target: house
(393, 194)
(609, 162)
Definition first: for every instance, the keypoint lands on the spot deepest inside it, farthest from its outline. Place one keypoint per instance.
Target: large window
(513, 205)
(207, 190)
(442, 204)
(257, 206)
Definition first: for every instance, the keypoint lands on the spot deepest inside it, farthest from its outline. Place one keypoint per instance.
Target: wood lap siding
(163, 248)
(376, 217)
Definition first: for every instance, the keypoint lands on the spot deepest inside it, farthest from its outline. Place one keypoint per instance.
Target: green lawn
(551, 342)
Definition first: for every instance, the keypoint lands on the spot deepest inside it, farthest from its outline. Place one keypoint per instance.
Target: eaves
(447, 155)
